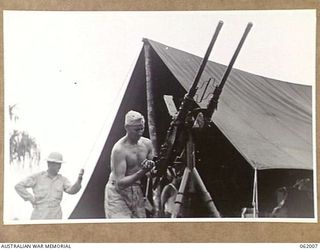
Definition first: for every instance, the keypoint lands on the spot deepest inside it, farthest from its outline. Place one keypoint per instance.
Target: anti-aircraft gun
(177, 123)
(180, 130)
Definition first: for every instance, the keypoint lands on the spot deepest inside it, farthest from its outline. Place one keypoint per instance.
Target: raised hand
(81, 174)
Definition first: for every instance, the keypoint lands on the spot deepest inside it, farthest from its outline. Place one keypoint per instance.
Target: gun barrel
(188, 99)
(213, 103)
(236, 53)
(204, 61)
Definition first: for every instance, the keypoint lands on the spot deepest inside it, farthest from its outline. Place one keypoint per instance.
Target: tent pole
(257, 204)
(151, 119)
(255, 193)
(150, 96)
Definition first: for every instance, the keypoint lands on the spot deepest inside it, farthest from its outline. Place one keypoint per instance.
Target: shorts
(124, 203)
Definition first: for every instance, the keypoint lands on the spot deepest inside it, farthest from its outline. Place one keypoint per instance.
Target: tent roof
(268, 121)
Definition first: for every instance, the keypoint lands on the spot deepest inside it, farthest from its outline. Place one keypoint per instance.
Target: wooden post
(151, 119)
(150, 96)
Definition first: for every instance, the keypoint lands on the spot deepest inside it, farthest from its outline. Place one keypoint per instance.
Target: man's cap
(134, 118)
(55, 157)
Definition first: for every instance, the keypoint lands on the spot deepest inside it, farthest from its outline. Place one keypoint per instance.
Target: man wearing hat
(130, 161)
(48, 187)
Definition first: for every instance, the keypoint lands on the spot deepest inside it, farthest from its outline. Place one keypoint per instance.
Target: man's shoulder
(146, 140)
(61, 177)
(41, 173)
(118, 146)
(36, 175)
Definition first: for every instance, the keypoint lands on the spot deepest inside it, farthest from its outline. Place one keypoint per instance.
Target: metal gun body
(179, 118)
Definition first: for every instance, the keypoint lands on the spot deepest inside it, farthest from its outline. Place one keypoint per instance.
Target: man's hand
(81, 174)
(147, 165)
(33, 202)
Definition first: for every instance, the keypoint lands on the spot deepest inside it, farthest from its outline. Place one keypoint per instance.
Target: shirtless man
(130, 161)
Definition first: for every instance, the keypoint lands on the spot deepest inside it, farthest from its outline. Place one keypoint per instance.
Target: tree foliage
(23, 147)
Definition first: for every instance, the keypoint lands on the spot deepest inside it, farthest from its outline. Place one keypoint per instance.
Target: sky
(67, 71)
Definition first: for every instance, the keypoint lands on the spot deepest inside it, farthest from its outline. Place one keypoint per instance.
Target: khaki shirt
(47, 191)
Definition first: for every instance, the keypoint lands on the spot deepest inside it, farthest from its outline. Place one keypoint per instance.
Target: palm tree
(14, 135)
(13, 145)
(22, 145)
(12, 113)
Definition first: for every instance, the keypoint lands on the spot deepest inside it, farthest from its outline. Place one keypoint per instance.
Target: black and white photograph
(159, 116)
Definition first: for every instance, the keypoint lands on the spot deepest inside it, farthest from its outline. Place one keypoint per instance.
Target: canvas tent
(261, 124)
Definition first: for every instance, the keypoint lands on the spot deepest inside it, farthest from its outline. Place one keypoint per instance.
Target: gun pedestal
(190, 171)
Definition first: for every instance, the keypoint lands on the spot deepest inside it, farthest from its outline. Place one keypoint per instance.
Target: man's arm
(119, 164)
(75, 188)
(155, 192)
(150, 155)
(22, 186)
